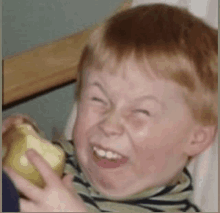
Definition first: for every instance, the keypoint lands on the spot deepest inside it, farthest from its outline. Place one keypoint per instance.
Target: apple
(23, 137)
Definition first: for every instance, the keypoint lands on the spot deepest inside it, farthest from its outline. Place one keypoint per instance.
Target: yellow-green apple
(18, 140)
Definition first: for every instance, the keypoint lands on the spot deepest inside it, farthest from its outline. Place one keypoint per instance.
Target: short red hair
(177, 45)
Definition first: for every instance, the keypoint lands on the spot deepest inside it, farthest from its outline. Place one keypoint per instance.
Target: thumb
(68, 182)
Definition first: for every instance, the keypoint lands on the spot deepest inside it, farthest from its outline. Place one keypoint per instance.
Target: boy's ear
(202, 138)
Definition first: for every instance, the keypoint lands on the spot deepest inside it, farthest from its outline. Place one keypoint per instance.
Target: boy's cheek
(138, 126)
(89, 116)
(84, 123)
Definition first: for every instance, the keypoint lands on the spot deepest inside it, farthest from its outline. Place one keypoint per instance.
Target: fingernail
(3, 129)
(30, 152)
(70, 175)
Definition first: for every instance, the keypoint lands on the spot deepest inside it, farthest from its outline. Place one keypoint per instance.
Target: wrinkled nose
(111, 126)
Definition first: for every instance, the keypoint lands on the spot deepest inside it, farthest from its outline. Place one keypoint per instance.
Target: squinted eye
(98, 100)
(143, 111)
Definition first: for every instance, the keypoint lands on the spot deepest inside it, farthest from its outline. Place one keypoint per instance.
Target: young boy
(147, 104)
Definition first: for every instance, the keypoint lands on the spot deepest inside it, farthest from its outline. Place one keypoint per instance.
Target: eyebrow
(100, 87)
(143, 97)
(151, 97)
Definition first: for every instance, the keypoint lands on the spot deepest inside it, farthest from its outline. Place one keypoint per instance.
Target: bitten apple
(23, 137)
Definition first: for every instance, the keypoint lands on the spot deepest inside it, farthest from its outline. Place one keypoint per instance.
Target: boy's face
(131, 131)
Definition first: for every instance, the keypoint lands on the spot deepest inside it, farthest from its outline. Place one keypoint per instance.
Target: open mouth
(107, 159)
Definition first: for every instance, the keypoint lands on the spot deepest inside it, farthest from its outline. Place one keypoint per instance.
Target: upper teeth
(108, 154)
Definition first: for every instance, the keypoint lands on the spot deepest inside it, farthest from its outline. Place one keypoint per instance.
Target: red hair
(177, 45)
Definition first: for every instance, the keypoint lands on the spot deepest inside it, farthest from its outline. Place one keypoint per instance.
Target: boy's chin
(119, 191)
(114, 194)
(124, 189)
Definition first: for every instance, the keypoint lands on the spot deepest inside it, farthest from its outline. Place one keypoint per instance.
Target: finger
(68, 182)
(8, 122)
(4, 128)
(47, 173)
(26, 187)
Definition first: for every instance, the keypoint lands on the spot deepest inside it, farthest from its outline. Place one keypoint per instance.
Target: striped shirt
(176, 198)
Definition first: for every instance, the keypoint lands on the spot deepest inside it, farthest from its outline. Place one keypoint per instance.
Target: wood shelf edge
(42, 63)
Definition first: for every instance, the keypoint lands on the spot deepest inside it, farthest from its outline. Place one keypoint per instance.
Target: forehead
(128, 79)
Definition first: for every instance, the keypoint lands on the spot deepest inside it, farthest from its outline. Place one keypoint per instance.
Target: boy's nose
(111, 126)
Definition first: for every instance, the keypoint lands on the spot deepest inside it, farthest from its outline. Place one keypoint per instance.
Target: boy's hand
(57, 196)
(12, 120)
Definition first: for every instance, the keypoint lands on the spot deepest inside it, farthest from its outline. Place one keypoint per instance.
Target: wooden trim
(45, 66)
